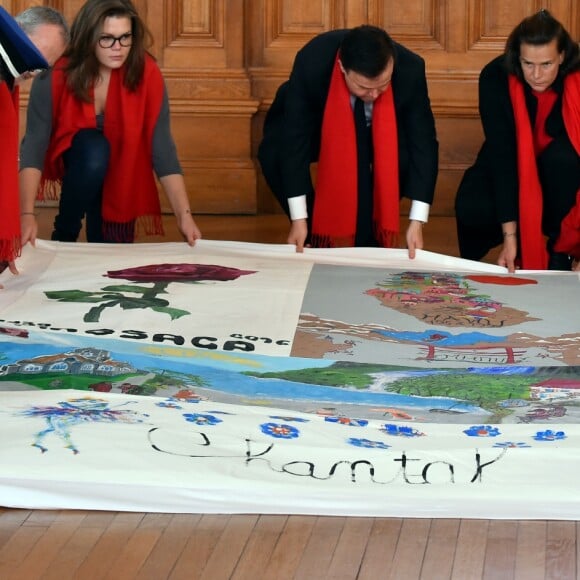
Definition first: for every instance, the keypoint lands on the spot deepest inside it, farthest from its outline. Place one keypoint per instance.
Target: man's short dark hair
(366, 50)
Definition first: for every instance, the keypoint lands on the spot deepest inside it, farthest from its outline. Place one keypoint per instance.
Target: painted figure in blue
(61, 418)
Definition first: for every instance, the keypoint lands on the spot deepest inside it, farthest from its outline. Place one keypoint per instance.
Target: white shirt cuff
(419, 211)
(297, 206)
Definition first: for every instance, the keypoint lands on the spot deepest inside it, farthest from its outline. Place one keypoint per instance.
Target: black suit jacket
(292, 129)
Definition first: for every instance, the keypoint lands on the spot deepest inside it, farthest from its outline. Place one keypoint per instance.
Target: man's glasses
(108, 41)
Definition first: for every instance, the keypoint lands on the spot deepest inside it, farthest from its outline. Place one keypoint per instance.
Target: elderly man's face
(49, 40)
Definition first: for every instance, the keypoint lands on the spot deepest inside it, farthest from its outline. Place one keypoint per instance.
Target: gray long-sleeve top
(39, 128)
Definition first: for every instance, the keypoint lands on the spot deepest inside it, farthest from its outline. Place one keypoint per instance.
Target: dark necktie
(364, 227)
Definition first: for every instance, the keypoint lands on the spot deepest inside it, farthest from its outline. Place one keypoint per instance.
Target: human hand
(508, 254)
(11, 266)
(28, 228)
(576, 265)
(414, 237)
(298, 234)
(188, 228)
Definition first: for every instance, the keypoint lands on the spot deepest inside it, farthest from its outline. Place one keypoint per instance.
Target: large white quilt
(236, 378)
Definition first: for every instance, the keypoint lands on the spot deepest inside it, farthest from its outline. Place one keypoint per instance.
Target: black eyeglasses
(108, 41)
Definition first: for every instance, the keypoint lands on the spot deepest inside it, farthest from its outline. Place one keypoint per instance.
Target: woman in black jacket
(527, 173)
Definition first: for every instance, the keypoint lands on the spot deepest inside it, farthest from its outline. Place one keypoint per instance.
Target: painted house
(82, 361)
(555, 388)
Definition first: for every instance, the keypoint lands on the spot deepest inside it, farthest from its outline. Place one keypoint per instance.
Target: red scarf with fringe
(569, 239)
(9, 198)
(130, 196)
(336, 199)
(533, 247)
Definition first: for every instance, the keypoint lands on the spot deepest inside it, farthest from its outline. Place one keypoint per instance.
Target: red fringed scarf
(533, 248)
(569, 240)
(130, 191)
(9, 198)
(335, 202)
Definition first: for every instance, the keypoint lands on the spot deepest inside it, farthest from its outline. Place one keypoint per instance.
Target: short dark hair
(538, 29)
(366, 50)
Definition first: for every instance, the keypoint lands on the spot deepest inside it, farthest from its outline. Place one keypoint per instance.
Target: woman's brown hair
(82, 68)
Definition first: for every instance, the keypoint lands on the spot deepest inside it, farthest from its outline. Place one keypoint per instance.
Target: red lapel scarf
(534, 254)
(9, 199)
(130, 191)
(569, 240)
(335, 202)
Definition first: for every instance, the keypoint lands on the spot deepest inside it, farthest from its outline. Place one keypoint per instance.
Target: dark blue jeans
(85, 166)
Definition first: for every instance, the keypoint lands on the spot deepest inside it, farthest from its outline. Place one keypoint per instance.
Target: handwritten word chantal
(397, 467)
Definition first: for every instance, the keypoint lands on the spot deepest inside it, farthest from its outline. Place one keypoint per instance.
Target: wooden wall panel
(224, 59)
(415, 23)
(200, 47)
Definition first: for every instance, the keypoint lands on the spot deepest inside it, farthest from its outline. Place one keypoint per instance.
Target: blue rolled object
(18, 54)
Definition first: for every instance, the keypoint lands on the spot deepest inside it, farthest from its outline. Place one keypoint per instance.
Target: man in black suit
(309, 122)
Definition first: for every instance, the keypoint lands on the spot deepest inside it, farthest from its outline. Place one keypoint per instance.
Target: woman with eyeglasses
(526, 177)
(98, 128)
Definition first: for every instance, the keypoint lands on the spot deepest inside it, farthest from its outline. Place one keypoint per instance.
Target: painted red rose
(179, 273)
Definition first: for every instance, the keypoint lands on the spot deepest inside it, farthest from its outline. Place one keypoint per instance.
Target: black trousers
(85, 166)
(478, 229)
